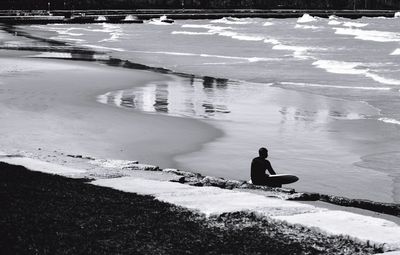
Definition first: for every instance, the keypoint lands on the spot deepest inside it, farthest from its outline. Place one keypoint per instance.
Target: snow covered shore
(214, 201)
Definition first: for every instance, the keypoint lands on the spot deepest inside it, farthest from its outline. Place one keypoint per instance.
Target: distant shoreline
(118, 16)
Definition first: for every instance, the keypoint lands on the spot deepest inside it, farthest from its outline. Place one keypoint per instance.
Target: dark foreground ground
(47, 214)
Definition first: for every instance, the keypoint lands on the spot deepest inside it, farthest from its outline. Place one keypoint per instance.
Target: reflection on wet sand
(320, 116)
(193, 97)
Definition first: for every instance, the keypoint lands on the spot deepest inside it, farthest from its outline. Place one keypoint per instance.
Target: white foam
(242, 37)
(334, 22)
(271, 41)
(339, 67)
(130, 18)
(299, 52)
(222, 31)
(103, 47)
(365, 228)
(101, 18)
(159, 22)
(307, 26)
(354, 24)
(208, 26)
(396, 52)
(300, 84)
(342, 67)
(306, 18)
(63, 38)
(268, 23)
(248, 59)
(381, 79)
(389, 120)
(42, 166)
(233, 21)
(369, 35)
(191, 33)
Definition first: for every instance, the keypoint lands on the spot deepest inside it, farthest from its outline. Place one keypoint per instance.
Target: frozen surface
(211, 200)
(365, 228)
(41, 166)
(208, 200)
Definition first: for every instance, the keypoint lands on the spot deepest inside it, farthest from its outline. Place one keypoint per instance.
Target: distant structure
(197, 4)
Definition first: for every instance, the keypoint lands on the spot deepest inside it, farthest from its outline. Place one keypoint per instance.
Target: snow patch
(42, 166)
(365, 228)
(208, 200)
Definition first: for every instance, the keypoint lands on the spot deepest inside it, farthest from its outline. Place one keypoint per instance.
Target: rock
(180, 172)
(306, 196)
(142, 167)
(74, 156)
(213, 181)
(179, 179)
(232, 184)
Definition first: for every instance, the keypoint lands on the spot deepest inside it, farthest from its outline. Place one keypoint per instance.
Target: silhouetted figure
(258, 167)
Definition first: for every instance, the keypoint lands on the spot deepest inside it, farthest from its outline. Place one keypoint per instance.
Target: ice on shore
(212, 200)
(208, 200)
(42, 166)
(364, 228)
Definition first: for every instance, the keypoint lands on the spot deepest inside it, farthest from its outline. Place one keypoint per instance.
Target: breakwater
(138, 15)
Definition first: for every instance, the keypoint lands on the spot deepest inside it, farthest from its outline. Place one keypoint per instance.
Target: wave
(354, 24)
(191, 33)
(396, 52)
(307, 26)
(103, 47)
(389, 120)
(299, 52)
(306, 18)
(397, 15)
(233, 21)
(268, 23)
(334, 23)
(369, 35)
(208, 26)
(301, 84)
(341, 67)
(63, 38)
(248, 59)
(272, 41)
(224, 31)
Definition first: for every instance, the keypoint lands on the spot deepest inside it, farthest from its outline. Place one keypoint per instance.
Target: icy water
(321, 94)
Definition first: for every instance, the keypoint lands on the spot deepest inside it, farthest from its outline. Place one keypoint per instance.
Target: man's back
(258, 167)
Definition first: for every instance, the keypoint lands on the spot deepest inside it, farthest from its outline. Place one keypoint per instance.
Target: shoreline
(132, 177)
(93, 220)
(98, 129)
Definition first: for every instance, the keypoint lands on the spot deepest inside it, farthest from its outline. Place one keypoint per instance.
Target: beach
(80, 101)
(53, 104)
(321, 94)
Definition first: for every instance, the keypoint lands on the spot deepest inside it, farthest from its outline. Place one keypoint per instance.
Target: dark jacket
(258, 168)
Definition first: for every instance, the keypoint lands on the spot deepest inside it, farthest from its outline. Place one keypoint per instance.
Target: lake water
(321, 94)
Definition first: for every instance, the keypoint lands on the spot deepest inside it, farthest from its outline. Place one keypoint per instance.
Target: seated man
(258, 167)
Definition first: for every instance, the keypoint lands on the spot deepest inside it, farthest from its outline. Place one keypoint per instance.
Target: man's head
(263, 152)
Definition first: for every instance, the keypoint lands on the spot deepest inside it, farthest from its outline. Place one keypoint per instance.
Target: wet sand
(52, 104)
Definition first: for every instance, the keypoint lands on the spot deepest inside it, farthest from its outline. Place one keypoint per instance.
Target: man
(258, 167)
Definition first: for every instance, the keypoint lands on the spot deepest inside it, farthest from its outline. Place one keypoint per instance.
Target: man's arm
(270, 169)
